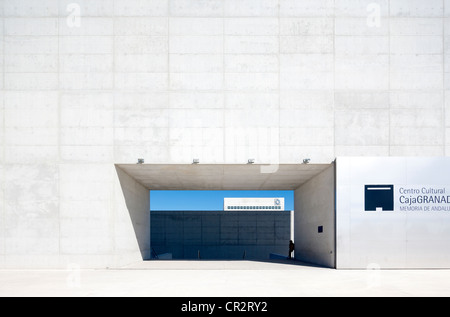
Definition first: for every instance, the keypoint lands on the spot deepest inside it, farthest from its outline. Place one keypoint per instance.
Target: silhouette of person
(291, 248)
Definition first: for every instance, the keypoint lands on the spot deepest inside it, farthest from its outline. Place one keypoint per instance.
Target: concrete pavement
(223, 279)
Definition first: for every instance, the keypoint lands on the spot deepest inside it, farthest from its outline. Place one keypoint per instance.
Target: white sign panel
(393, 211)
(258, 203)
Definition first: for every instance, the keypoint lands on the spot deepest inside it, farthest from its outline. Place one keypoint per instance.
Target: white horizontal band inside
(379, 188)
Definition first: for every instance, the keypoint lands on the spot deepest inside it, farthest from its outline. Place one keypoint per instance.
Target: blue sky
(209, 199)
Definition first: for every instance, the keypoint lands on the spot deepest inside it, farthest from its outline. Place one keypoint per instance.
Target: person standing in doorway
(291, 249)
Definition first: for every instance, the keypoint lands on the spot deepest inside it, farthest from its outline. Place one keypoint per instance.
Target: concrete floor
(223, 278)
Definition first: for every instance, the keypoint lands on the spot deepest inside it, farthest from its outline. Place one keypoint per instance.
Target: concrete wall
(92, 223)
(86, 84)
(314, 208)
(220, 234)
(131, 220)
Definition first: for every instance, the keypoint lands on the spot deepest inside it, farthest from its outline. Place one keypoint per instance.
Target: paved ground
(223, 279)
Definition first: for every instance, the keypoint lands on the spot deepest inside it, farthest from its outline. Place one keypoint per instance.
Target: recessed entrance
(314, 200)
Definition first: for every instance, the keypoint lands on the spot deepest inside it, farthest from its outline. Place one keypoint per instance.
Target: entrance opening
(314, 195)
(221, 225)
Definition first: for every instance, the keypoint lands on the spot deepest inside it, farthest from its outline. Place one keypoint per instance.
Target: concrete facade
(88, 84)
(315, 220)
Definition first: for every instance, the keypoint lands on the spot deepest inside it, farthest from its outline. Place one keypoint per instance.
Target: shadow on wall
(136, 201)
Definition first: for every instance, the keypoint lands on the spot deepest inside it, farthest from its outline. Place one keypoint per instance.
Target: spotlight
(306, 161)
(140, 161)
(195, 161)
(251, 161)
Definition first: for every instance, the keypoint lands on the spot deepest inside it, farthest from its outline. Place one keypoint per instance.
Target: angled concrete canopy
(222, 176)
